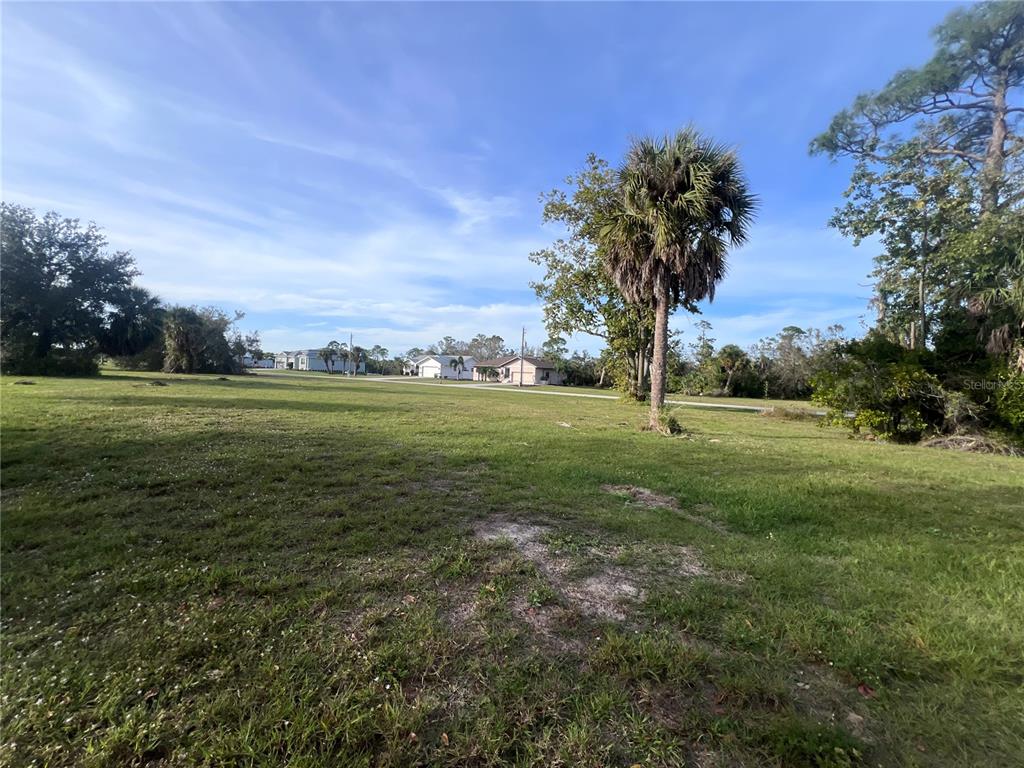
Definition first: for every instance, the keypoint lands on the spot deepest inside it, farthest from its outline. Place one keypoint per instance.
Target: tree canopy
(966, 101)
(60, 294)
(578, 293)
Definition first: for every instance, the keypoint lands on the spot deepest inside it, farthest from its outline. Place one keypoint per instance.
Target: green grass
(755, 401)
(274, 570)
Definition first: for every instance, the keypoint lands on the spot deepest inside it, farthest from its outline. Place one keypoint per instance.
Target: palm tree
(732, 360)
(458, 366)
(341, 350)
(327, 355)
(683, 203)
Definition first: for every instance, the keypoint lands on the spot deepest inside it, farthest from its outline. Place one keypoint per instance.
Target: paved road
(417, 382)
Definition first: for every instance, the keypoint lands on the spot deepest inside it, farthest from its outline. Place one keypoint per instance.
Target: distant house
(506, 370)
(248, 361)
(310, 360)
(411, 365)
(440, 367)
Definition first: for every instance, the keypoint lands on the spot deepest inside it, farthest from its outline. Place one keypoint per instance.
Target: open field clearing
(291, 570)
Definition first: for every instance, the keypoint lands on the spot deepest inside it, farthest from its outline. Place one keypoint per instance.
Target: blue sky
(374, 169)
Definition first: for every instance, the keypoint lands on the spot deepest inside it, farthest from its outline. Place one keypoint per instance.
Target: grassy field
(791, 405)
(304, 571)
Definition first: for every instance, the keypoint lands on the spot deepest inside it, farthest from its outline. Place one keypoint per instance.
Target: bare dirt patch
(606, 589)
(819, 692)
(645, 497)
(601, 594)
(546, 622)
(605, 594)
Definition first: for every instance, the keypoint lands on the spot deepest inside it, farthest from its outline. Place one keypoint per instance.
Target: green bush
(879, 387)
(57, 362)
(1009, 400)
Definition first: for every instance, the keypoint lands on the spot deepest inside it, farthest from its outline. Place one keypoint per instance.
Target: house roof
(500, 362)
(446, 360)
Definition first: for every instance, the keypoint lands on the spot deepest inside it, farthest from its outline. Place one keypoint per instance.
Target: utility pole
(351, 354)
(522, 354)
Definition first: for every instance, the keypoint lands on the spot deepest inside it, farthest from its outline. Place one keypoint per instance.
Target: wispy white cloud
(474, 210)
(376, 191)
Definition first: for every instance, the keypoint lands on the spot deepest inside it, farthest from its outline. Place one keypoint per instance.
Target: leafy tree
(133, 333)
(446, 346)
(939, 180)
(196, 341)
(963, 102)
(554, 349)
(483, 347)
(243, 344)
(704, 348)
(784, 365)
(379, 354)
(684, 203)
(915, 209)
(578, 293)
(993, 284)
(732, 361)
(59, 292)
(581, 369)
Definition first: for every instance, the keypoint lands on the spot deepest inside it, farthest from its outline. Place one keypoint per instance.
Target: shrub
(668, 424)
(57, 362)
(881, 388)
(1009, 400)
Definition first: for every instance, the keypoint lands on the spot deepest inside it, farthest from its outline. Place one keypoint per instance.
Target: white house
(411, 365)
(310, 360)
(248, 361)
(441, 367)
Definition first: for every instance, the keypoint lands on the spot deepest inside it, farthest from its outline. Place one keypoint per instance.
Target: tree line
(937, 179)
(66, 303)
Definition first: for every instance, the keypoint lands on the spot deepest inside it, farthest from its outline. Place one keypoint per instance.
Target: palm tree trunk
(658, 364)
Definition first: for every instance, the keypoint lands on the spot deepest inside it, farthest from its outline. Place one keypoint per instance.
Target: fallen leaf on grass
(866, 691)
(444, 739)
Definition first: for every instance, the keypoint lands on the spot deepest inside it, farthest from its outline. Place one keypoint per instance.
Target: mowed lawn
(284, 570)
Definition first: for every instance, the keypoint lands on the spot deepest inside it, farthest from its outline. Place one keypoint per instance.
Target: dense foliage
(67, 302)
(578, 293)
(196, 341)
(63, 297)
(939, 184)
